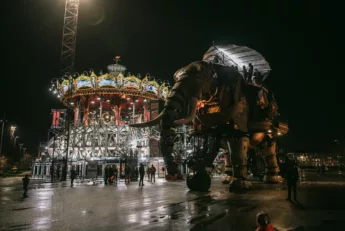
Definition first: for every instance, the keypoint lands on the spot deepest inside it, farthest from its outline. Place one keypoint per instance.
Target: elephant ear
(229, 77)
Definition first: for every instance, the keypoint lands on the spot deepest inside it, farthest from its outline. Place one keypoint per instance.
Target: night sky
(158, 37)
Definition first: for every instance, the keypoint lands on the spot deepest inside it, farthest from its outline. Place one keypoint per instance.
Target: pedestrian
(127, 174)
(141, 174)
(263, 222)
(292, 178)
(153, 174)
(73, 176)
(115, 174)
(111, 175)
(106, 174)
(323, 169)
(26, 181)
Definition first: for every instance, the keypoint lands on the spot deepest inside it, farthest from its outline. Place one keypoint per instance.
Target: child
(263, 222)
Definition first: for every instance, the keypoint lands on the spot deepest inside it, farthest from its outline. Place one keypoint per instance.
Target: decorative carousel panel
(65, 86)
(132, 82)
(164, 93)
(83, 82)
(152, 87)
(144, 83)
(119, 80)
(106, 81)
(93, 78)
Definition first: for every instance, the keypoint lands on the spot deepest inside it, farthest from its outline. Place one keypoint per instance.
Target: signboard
(58, 120)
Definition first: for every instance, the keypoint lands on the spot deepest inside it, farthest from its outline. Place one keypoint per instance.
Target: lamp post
(20, 149)
(12, 131)
(15, 141)
(52, 167)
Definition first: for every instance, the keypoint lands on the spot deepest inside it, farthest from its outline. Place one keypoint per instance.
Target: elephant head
(191, 83)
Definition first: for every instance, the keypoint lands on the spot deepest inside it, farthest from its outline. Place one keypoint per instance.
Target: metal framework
(69, 36)
(101, 140)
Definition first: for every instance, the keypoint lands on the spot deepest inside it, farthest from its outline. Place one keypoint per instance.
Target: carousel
(94, 129)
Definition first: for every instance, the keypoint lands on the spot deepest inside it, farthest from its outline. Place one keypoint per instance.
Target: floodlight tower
(69, 36)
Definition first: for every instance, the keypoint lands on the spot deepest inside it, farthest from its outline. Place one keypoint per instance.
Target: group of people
(111, 174)
(151, 174)
(250, 74)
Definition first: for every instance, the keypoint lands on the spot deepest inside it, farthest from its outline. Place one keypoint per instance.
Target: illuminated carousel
(103, 106)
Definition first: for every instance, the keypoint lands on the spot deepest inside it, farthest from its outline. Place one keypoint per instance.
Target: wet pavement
(169, 206)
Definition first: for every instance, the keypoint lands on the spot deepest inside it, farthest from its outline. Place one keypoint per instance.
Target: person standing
(127, 174)
(26, 181)
(73, 176)
(153, 174)
(141, 174)
(106, 171)
(292, 178)
(323, 169)
(115, 174)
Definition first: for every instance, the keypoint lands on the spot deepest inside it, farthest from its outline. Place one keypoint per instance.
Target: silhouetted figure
(127, 174)
(292, 178)
(73, 176)
(141, 175)
(257, 77)
(245, 73)
(106, 174)
(26, 181)
(323, 169)
(111, 175)
(250, 72)
(153, 174)
(263, 222)
(116, 172)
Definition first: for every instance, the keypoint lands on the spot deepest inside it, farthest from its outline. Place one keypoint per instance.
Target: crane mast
(69, 36)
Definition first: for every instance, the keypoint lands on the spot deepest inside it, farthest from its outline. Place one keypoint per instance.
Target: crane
(69, 36)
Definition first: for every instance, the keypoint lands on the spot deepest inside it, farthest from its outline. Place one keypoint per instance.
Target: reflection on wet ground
(165, 206)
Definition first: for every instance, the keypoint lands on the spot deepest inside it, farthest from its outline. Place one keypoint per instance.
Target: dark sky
(158, 37)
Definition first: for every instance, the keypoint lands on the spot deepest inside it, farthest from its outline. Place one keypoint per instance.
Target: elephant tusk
(150, 123)
(191, 115)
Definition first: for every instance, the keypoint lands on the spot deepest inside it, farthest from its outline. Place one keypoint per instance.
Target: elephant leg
(271, 163)
(227, 163)
(239, 148)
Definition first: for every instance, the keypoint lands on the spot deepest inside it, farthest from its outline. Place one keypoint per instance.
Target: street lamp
(12, 131)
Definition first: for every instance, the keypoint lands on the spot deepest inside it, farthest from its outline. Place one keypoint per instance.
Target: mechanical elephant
(226, 112)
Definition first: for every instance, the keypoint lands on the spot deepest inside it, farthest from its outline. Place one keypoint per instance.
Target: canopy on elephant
(233, 55)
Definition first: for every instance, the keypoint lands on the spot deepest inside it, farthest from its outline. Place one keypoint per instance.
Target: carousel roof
(233, 55)
(113, 83)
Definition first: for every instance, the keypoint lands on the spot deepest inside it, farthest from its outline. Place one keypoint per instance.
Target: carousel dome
(112, 84)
